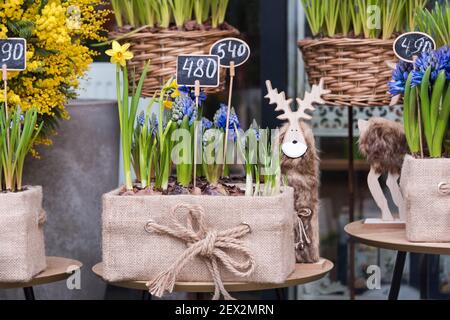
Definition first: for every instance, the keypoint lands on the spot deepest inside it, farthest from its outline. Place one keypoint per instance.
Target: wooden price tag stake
(197, 95)
(197, 71)
(5, 93)
(227, 129)
(419, 115)
(233, 53)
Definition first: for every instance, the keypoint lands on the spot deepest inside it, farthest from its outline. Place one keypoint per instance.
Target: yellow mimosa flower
(119, 54)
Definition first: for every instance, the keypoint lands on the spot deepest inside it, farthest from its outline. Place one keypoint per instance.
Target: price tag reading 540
(13, 53)
(201, 68)
(231, 50)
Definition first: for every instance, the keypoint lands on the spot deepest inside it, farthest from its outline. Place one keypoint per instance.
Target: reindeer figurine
(300, 164)
(383, 143)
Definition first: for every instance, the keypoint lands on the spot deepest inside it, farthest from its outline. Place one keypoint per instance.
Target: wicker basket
(163, 47)
(355, 70)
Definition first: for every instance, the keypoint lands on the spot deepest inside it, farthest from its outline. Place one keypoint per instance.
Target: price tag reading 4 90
(201, 68)
(413, 44)
(13, 53)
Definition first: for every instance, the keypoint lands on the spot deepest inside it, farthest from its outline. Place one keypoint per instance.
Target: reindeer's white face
(294, 144)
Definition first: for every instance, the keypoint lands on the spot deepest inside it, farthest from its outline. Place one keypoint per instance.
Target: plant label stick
(197, 94)
(227, 129)
(419, 117)
(197, 71)
(232, 53)
(5, 93)
(13, 58)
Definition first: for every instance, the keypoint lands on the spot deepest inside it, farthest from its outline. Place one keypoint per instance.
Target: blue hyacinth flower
(220, 118)
(399, 78)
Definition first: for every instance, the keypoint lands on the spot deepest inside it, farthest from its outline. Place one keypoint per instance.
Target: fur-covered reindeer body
(300, 164)
(383, 143)
(303, 175)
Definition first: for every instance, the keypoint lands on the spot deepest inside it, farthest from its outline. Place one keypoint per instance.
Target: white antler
(315, 96)
(280, 100)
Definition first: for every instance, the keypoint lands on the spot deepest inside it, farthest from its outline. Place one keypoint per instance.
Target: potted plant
(147, 223)
(22, 252)
(161, 30)
(58, 55)
(352, 41)
(425, 178)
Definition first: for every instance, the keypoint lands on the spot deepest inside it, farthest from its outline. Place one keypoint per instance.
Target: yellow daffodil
(168, 104)
(119, 54)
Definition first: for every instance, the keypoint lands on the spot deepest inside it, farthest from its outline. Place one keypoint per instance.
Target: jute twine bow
(207, 243)
(303, 236)
(444, 188)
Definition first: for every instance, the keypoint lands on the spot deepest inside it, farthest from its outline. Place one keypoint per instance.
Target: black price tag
(201, 68)
(13, 53)
(412, 44)
(231, 50)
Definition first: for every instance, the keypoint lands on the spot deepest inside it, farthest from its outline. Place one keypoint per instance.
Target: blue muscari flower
(184, 106)
(153, 124)
(399, 78)
(443, 60)
(201, 98)
(141, 118)
(220, 118)
(206, 124)
(189, 92)
(185, 90)
(21, 119)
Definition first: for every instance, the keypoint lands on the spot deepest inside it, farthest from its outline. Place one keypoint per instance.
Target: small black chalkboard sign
(202, 68)
(13, 53)
(231, 50)
(412, 44)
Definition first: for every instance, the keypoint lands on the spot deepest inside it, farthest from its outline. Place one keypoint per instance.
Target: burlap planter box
(425, 185)
(22, 249)
(132, 253)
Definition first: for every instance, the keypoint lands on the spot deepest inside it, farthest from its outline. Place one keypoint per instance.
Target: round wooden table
(304, 273)
(58, 269)
(394, 238)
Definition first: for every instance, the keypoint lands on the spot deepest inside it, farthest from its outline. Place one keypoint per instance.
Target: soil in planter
(225, 187)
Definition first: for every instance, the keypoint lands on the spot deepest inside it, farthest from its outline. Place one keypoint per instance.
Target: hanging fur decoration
(300, 164)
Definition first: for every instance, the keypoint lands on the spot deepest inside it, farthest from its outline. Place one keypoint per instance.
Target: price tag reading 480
(201, 68)
(13, 53)
(231, 50)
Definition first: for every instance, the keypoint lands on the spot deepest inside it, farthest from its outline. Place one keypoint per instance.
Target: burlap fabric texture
(425, 185)
(251, 239)
(22, 249)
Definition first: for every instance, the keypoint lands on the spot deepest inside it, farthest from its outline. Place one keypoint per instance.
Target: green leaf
(45, 52)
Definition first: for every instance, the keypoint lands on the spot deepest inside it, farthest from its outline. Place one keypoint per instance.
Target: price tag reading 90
(201, 68)
(13, 53)
(231, 50)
